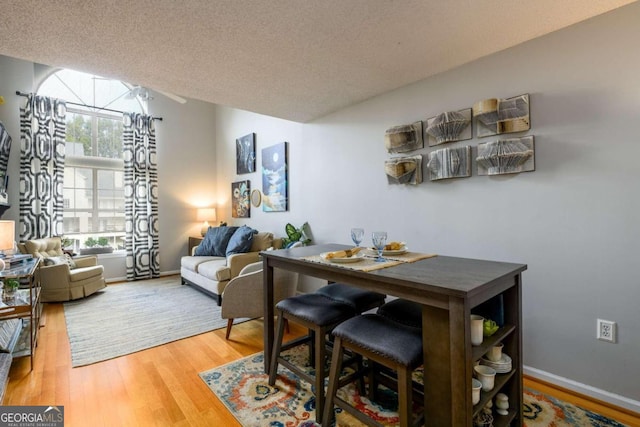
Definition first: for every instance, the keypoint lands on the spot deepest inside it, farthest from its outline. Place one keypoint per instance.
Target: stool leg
(320, 355)
(405, 401)
(273, 369)
(334, 378)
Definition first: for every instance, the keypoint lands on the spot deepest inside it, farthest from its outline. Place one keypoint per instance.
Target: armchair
(64, 278)
(244, 295)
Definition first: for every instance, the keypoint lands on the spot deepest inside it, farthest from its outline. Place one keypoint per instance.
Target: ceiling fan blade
(176, 98)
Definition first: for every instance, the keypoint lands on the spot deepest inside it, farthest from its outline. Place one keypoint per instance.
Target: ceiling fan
(143, 93)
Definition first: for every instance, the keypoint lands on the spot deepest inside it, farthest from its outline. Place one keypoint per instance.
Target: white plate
(404, 250)
(354, 258)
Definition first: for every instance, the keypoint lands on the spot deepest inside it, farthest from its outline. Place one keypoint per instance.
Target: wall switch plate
(606, 330)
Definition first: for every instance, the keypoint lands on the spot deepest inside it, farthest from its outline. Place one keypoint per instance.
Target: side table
(25, 305)
(193, 242)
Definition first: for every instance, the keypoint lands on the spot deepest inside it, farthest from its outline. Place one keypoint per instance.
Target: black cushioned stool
(320, 315)
(383, 341)
(361, 300)
(402, 311)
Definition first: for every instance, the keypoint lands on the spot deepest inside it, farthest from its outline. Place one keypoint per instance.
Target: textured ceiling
(294, 59)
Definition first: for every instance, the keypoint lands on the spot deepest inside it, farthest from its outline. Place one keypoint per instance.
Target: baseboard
(124, 279)
(584, 389)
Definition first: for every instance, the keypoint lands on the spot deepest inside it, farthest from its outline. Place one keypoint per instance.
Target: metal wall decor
(498, 116)
(449, 163)
(404, 170)
(449, 126)
(505, 156)
(404, 138)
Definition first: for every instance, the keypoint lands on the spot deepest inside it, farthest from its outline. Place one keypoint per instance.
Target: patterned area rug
(130, 317)
(244, 389)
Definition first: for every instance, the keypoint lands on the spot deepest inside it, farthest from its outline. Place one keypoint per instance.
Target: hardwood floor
(154, 387)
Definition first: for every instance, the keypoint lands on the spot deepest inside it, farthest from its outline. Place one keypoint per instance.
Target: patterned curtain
(141, 197)
(43, 133)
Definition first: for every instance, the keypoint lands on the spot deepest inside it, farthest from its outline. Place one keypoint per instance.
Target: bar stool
(361, 300)
(385, 342)
(402, 311)
(320, 315)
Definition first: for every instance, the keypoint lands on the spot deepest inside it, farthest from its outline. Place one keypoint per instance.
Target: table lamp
(206, 215)
(7, 239)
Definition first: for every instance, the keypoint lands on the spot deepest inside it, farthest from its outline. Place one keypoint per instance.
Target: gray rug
(126, 318)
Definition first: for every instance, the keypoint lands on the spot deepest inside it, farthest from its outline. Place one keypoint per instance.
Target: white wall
(573, 220)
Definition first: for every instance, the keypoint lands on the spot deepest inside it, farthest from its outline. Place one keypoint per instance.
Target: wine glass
(379, 239)
(357, 234)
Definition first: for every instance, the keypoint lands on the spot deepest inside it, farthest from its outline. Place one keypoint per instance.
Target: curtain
(140, 197)
(42, 141)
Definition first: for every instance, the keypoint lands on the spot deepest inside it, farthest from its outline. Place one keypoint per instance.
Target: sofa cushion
(214, 271)
(192, 262)
(62, 259)
(261, 241)
(215, 241)
(43, 248)
(78, 274)
(241, 240)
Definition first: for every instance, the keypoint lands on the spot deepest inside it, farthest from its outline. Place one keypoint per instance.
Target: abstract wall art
(497, 116)
(449, 163)
(404, 138)
(240, 199)
(275, 178)
(505, 156)
(246, 154)
(449, 126)
(404, 170)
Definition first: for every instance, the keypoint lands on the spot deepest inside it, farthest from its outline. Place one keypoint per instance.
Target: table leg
(268, 313)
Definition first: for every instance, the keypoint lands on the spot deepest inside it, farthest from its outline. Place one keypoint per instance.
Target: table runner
(369, 263)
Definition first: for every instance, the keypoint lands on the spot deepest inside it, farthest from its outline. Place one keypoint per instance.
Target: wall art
(497, 116)
(275, 178)
(240, 201)
(449, 163)
(256, 198)
(449, 126)
(246, 154)
(505, 156)
(404, 138)
(404, 170)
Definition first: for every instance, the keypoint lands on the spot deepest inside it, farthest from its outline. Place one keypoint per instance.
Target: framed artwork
(498, 116)
(513, 155)
(274, 178)
(450, 126)
(449, 163)
(240, 199)
(246, 154)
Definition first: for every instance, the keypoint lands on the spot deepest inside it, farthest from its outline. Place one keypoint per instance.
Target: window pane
(68, 195)
(105, 199)
(83, 199)
(109, 138)
(84, 178)
(105, 179)
(78, 135)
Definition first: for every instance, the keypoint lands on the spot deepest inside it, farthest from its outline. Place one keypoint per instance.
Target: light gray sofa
(210, 274)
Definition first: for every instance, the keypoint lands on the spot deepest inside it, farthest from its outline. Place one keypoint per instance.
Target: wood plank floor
(154, 387)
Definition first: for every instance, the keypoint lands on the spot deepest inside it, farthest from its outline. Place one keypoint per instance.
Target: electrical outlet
(606, 330)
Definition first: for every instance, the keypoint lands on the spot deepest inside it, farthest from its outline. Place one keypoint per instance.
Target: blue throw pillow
(241, 240)
(215, 241)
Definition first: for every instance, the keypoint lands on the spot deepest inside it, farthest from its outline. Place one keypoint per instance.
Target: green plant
(302, 234)
(90, 242)
(103, 241)
(11, 284)
(66, 242)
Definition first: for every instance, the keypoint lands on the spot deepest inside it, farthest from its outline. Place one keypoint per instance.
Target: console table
(25, 305)
(448, 289)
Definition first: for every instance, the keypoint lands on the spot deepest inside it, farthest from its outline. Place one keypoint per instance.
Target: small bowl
(486, 375)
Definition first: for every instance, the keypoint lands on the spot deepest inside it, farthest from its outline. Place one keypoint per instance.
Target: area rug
(244, 389)
(126, 318)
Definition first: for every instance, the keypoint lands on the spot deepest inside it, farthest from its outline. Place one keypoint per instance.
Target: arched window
(94, 168)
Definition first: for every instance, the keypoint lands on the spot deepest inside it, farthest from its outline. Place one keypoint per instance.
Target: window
(94, 169)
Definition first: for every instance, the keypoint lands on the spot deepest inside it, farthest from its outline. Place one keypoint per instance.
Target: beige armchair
(63, 278)
(244, 295)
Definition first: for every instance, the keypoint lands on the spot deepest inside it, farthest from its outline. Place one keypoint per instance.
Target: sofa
(211, 271)
(62, 277)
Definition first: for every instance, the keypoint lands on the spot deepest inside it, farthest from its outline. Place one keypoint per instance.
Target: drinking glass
(357, 234)
(379, 239)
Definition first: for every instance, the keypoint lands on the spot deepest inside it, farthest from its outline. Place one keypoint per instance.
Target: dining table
(448, 289)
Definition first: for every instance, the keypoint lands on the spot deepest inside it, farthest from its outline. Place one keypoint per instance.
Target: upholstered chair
(244, 295)
(64, 278)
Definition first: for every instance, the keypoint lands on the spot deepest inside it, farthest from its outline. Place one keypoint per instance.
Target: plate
(404, 250)
(355, 258)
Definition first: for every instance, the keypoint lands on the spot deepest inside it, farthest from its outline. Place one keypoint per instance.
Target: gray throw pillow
(241, 240)
(215, 241)
(62, 259)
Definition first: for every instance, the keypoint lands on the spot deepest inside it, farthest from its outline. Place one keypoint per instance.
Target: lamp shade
(7, 235)
(206, 214)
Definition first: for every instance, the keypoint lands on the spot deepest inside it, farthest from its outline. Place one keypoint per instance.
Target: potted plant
(96, 246)
(10, 287)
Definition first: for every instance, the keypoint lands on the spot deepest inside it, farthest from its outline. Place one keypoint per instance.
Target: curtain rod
(88, 106)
